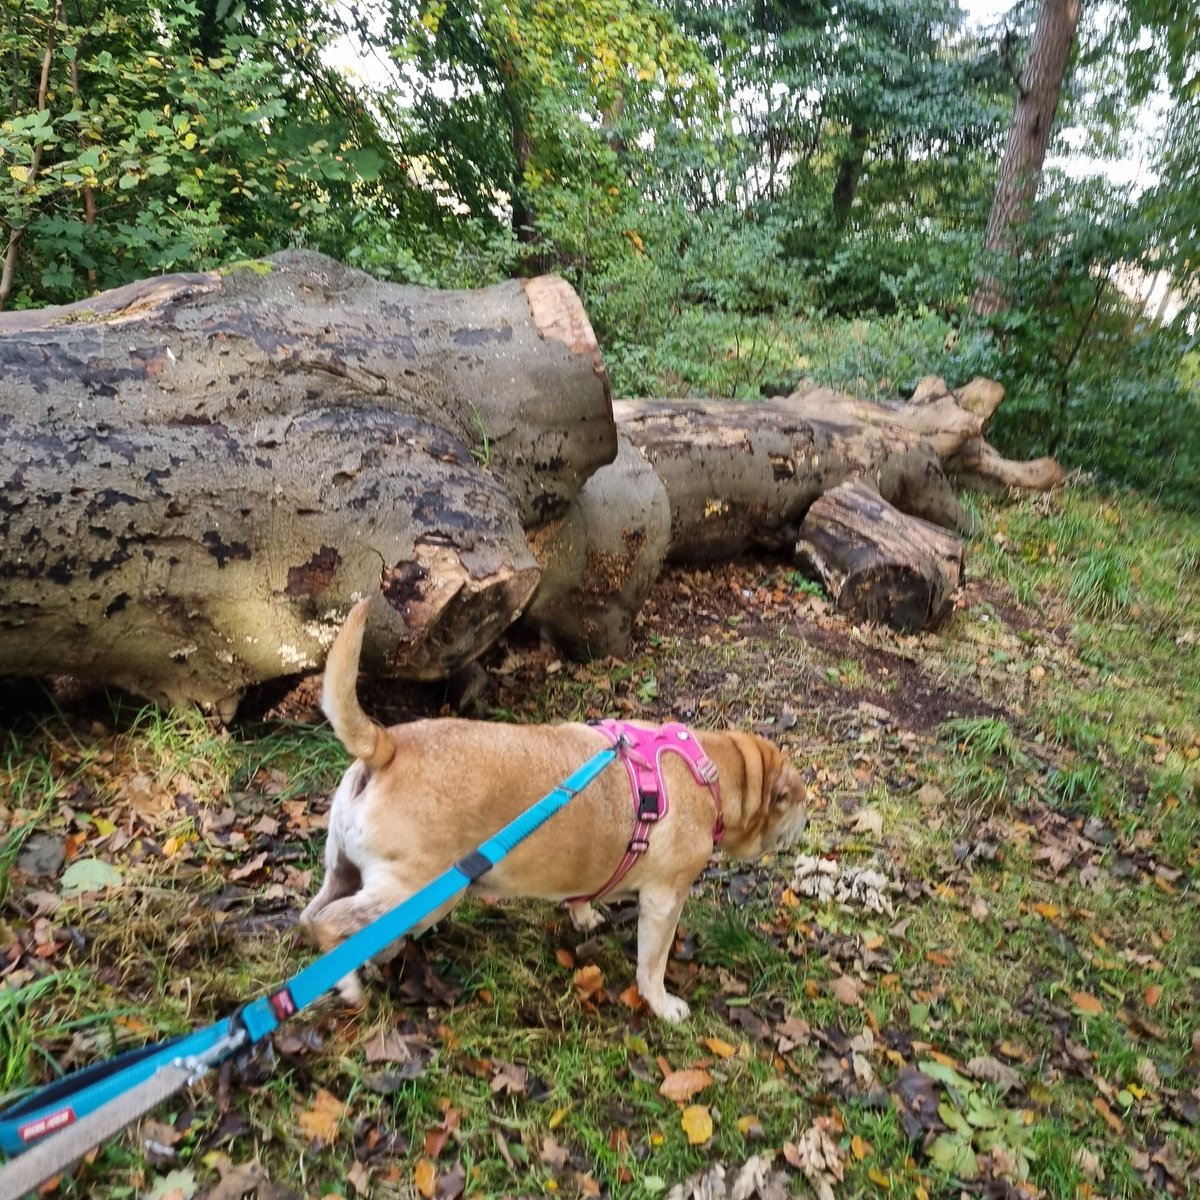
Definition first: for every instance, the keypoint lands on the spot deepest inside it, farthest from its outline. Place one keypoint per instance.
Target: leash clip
(198, 1065)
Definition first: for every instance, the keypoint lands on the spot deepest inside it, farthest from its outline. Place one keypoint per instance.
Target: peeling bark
(192, 560)
(512, 371)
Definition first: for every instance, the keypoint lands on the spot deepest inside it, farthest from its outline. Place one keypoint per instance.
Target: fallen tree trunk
(189, 561)
(876, 563)
(742, 475)
(512, 371)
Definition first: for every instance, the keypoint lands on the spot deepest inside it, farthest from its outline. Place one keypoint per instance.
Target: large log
(876, 563)
(512, 371)
(743, 475)
(188, 561)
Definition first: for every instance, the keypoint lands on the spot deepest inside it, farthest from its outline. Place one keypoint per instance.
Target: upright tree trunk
(1039, 88)
(846, 184)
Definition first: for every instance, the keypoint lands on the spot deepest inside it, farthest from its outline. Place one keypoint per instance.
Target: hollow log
(187, 561)
(600, 560)
(512, 371)
(876, 563)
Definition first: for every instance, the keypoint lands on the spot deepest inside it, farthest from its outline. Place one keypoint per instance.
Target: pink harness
(641, 750)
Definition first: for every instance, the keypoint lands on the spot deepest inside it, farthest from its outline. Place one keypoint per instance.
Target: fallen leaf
(1087, 1003)
(719, 1047)
(360, 1176)
(750, 1126)
(589, 982)
(860, 1148)
(1110, 1118)
(846, 990)
(565, 958)
(868, 821)
(992, 1070)
(554, 1155)
(320, 1121)
(425, 1178)
(877, 1177)
(237, 1181)
(1152, 995)
(979, 909)
(683, 1085)
(181, 1184)
(389, 1045)
(89, 875)
(631, 997)
(697, 1124)
(1049, 911)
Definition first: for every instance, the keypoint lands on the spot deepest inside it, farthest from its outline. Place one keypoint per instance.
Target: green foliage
(1101, 583)
(148, 151)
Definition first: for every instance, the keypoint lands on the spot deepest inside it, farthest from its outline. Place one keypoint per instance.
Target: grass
(1037, 781)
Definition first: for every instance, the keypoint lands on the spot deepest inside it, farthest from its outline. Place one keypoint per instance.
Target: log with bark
(600, 560)
(512, 371)
(204, 470)
(186, 562)
(742, 475)
(876, 563)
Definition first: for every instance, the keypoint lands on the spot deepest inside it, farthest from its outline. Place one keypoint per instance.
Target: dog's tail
(364, 738)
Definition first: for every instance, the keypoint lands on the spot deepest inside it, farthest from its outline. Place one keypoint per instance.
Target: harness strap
(642, 750)
(66, 1108)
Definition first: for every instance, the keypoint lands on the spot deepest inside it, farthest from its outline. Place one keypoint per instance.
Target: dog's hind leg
(658, 918)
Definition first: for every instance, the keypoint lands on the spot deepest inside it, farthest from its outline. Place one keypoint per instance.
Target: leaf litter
(873, 999)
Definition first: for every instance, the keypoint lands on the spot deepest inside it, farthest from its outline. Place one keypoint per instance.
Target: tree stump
(876, 563)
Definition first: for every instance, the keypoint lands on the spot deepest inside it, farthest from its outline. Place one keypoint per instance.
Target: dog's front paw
(672, 1009)
(584, 917)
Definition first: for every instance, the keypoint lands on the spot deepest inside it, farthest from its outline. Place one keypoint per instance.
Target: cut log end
(876, 563)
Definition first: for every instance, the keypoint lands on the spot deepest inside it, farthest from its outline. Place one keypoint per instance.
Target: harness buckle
(639, 845)
(648, 805)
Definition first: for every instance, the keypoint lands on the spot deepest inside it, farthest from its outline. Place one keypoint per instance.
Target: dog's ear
(787, 788)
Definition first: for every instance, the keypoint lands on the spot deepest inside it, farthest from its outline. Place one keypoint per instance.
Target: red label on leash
(47, 1124)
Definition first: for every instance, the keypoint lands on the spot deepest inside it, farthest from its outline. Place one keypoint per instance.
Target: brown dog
(421, 796)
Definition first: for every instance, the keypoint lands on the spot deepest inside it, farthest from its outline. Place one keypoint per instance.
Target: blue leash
(68, 1100)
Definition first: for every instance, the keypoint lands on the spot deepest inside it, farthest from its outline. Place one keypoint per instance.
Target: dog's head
(776, 817)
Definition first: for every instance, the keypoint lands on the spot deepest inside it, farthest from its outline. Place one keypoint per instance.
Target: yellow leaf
(1087, 1003)
(425, 1177)
(860, 1147)
(1152, 995)
(1049, 911)
(19, 173)
(697, 1124)
(920, 1193)
(877, 1177)
(720, 1048)
(749, 1126)
(320, 1121)
(683, 1085)
(558, 1116)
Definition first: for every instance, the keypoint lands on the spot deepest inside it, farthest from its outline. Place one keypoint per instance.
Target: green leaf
(954, 1156)
(89, 875)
